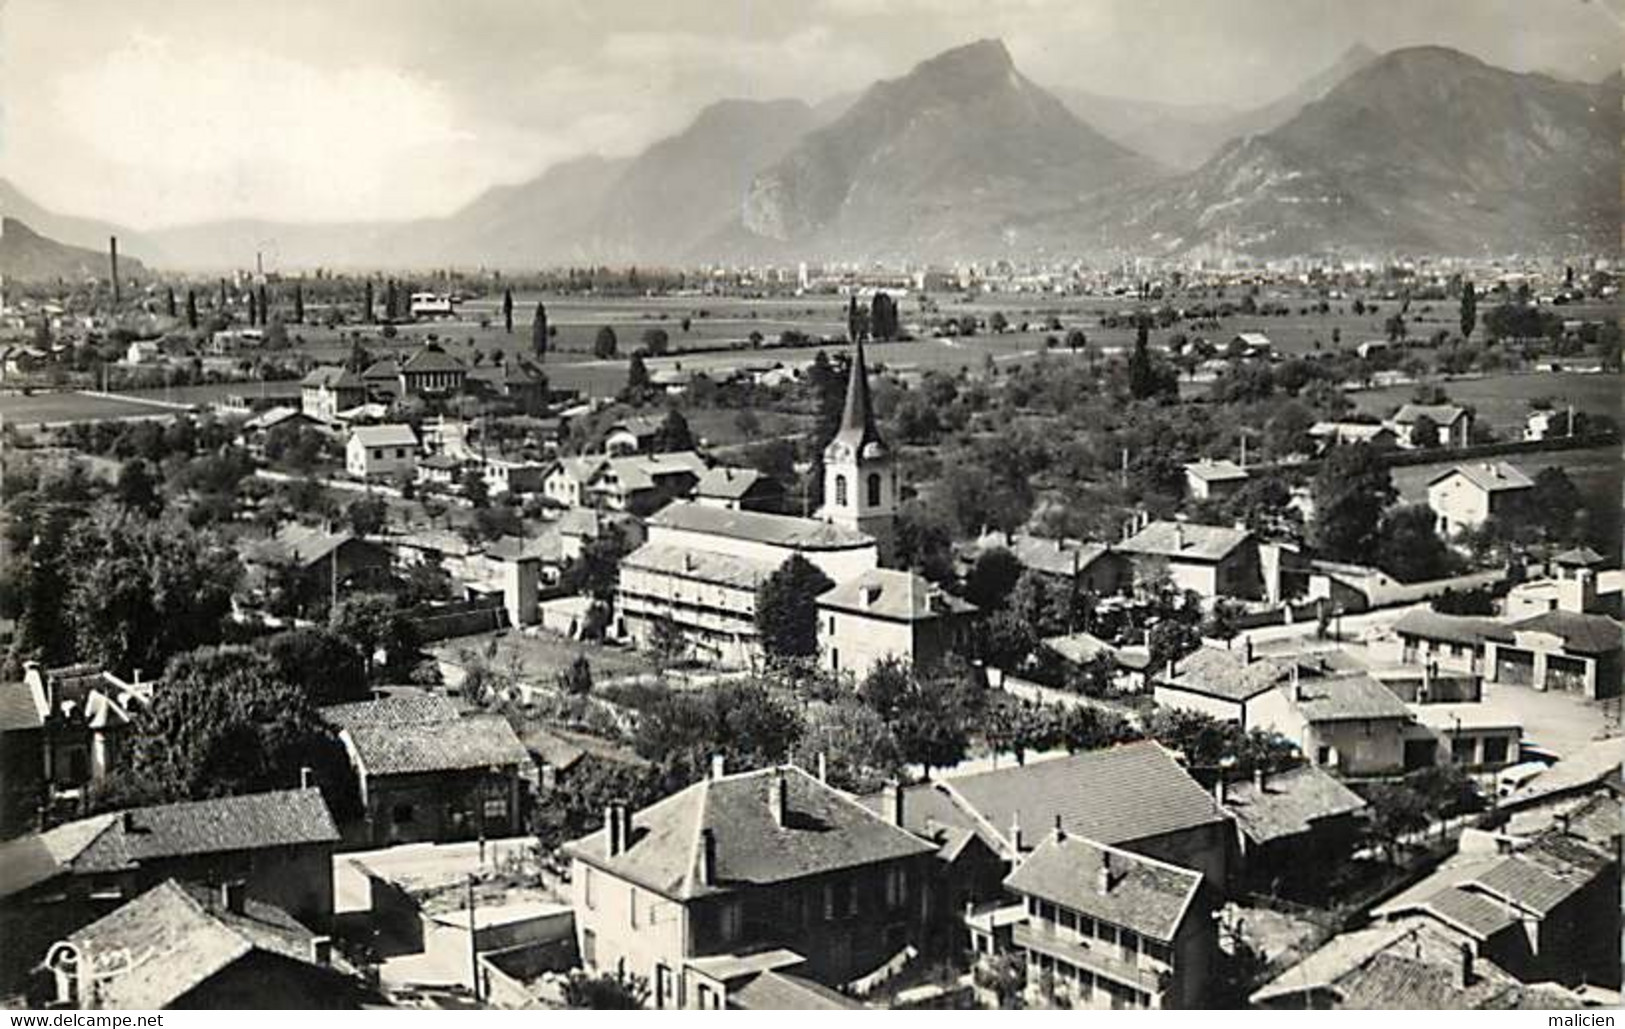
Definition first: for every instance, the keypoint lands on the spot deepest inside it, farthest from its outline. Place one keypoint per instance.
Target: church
(700, 566)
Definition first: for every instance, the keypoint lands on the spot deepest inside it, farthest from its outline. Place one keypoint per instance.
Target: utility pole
(473, 944)
(112, 266)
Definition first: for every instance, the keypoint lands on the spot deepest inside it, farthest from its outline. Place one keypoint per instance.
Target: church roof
(858, 428)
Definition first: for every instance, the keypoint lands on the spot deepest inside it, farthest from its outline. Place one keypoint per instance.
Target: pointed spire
(858, 419)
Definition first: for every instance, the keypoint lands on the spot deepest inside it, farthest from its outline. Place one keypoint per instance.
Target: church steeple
(858, 428)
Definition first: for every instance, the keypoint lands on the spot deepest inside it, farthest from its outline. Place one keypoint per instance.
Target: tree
(997, 323)
(169, 302)
(1039, 604)
(326, 666)
(992, 577)
(638, 386)
(1076, 340)
(656, 341)
(596, 570)
(1396, 811)
(1409, 547)
(299, 303)
(1395, 326)
(1147, 376)
(1425, 432)
(1350, 491)
(674, 433)
(883, 323)
(472, 484)
(605, 345)
(507, 311)
(366, 515)
(666, 640)
(606, 991)
(226, 722)
(787, 608)
(859, 752)
(1469, 310)
(191, 310)
(576, 678)
(366, 304)
(372, 622)
(140, 591)
(137, 489)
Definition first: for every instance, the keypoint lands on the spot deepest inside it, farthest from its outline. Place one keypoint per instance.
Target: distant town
(1202, 629)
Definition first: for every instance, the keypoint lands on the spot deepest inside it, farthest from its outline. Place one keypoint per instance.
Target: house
(562, 755)
(1453, 425)
(643, 483)
(1545, 909)
(274, 417)
(743, 874)
(1135, 796)
(1404, 967)
(279, 845)
(885, 613)
(432, 372)
(1468, 495)
(143, 351)
(1454, 643)
(381, 452)
(565, 481)
(636, 434)
(22, 760)
(187, 946)
(1208, 479)
(1347, 722)
(503, 477)
(84, 714)
(1223, 682)
(739, 489)
(1075, 566)
(1249, 344)
(1291, 827)
(1573, 585)
(1330, 434)
(329, 389)
(315, 565)
(515, 380)
(701, 565)
(1211, 560)
(427, 773)
(1111, 928)
(1548, 424)
(1560, 650)
(1475, 736)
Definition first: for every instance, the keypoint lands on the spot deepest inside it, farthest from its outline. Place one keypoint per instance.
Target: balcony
(1103, 960)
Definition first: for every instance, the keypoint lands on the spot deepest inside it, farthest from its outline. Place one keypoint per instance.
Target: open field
(68, 407)
(1502, 401)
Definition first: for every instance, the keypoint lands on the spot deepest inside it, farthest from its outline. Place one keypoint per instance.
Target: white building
(860, 478)
(381, 452)
(1466, 496)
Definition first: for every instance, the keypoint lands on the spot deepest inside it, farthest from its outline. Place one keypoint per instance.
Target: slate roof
(1582, 633)
(727, 483)
(930, 810)
(1490, 476)
(406, 708)
(333, 376)
(1542, 876)
(644, 471)
(385, 436)
(1343, 698)
(1469, 912)
(31, 859)
(1289, 803)
(178, 937)
(304, 545)
(1051, 556)
(477, 741)
(545, 547)
(1466, 629)
(1148, 896)
(825, 831)
(894, 595)
(1185, 541)
(702, 565)
(1113, 796)
(760, 527)
(388, 368)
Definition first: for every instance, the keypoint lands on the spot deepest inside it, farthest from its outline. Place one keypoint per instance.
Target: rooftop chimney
(306, 777)
(708, 857)
(895, 804)
(1060, 831)
(232, 895)
(321, 950)
(778, 797)
(1219, 790)
(1247, 649)
(1258, 779)
(718, 766)
(1179, 536)
(1104, 877)
(615, 827)
(823, 767)
(1015, 833)
(1464, 968)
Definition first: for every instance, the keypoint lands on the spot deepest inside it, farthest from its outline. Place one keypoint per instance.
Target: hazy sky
(152, 112)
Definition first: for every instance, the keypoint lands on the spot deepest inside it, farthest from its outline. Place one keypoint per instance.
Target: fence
(463, 618)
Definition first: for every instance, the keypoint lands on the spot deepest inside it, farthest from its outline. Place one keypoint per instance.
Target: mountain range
(1424, 149)
(25, 254)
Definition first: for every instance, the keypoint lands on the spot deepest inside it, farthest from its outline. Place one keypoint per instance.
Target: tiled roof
(385, 436)
(1051, 556)
(477, 741)
(271, 417)
(644, 471)
(781, 991)
(1148, 896)
(1491, 476)
(1439, 414)
(1216, 471)
(388, 368)
(407, 708)
(303, 544)
(545, 547)
(727, 483)
(1288, 803)
(1544, 875)
(1113, 796)
(1582, 633)
(778, 530)
(34, 858)
(1228, 674)
(1343, 698)
(932, 811)
(333, 376)
(17, 710)
(1469, 912)
(1431, 625)
(1579, 557)
(1185, 541)
(742, 573)
(1080, 647)
(824, 831)
(177, 937)
(895, 595)
(431, 358)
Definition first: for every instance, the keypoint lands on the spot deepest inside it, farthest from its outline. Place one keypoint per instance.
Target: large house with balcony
(761, 884)
(1110, 928)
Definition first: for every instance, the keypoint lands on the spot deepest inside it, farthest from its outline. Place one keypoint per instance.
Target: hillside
(27, 255)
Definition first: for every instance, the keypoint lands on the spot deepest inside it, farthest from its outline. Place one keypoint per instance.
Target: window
(1067, 919)
(632, 906)
(896, 888)
(874, 489)
(1323, 755)
(840, 491)
(664, 994)
(1495, 750)
(589, 947)
(1086, 925)
(586, 888)
(732, 919)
